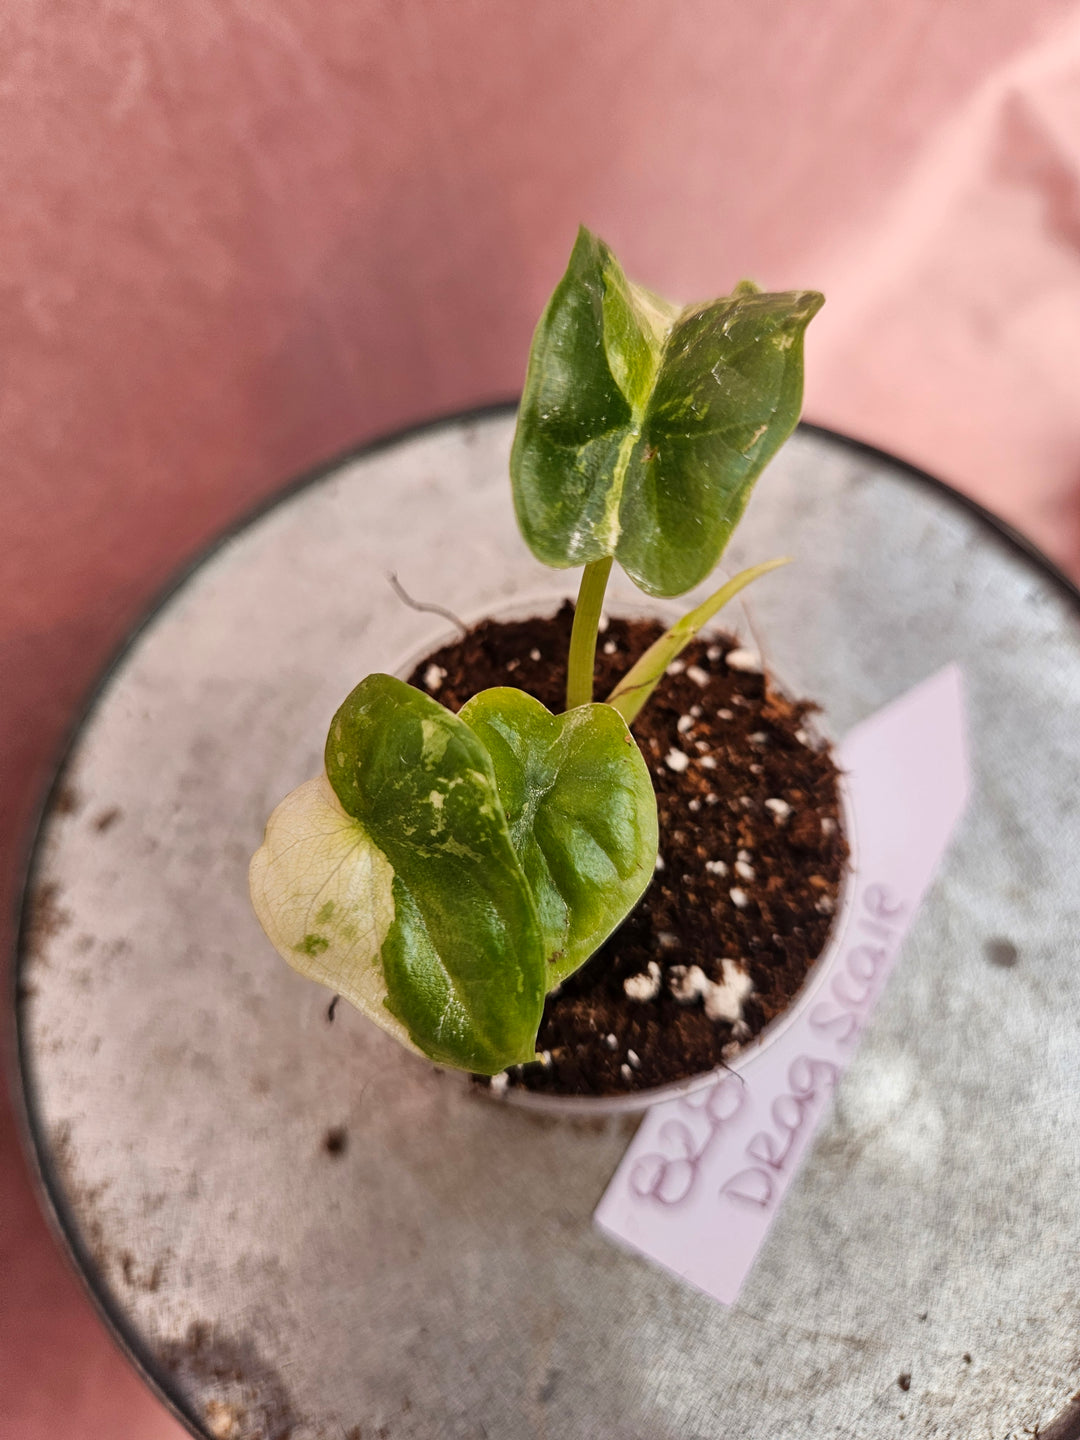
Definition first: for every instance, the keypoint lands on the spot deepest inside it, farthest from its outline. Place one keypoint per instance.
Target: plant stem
(642, 678)
(582, 659)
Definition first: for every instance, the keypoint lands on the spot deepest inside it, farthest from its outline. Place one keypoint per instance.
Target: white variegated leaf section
(323, 893)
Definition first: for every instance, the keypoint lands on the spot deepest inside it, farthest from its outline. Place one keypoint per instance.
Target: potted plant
(467, 849)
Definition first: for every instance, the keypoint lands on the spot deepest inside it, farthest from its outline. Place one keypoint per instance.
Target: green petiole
(582, 658)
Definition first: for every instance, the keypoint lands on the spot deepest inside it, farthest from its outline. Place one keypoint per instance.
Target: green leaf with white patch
(582, 814)
(644, 425)
(463, 960)
(323, 892)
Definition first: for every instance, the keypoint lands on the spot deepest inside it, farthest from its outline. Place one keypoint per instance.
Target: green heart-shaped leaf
(643, 425)
(393, 880)
(582, 814)
(448, 870)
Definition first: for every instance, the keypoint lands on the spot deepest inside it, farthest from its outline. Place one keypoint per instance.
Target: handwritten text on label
(705, 1173)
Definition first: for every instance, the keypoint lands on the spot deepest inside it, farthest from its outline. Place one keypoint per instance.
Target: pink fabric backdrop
(238, 237)
(953, 331)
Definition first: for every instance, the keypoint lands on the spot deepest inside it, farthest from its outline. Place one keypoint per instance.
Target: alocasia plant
(446, 871)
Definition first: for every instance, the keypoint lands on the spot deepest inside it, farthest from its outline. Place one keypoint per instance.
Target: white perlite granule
(781, 810)
(697, 675)
(434, 675)
(684, 723)
(739, 898)
(748, 661)
(723, 1001)
(716, 867)
(498, 1083)
(688, 982)
(645, 986)
(676, 760)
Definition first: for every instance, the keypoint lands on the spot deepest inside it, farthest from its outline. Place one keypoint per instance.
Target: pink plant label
(705, 1174)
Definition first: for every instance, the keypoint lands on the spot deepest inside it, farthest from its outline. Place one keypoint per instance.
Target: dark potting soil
(752, 852)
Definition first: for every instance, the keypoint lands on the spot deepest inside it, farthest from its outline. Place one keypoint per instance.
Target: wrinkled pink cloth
(952, 333)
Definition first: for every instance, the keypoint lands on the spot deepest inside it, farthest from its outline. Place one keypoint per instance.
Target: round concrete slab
(300, 1231)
